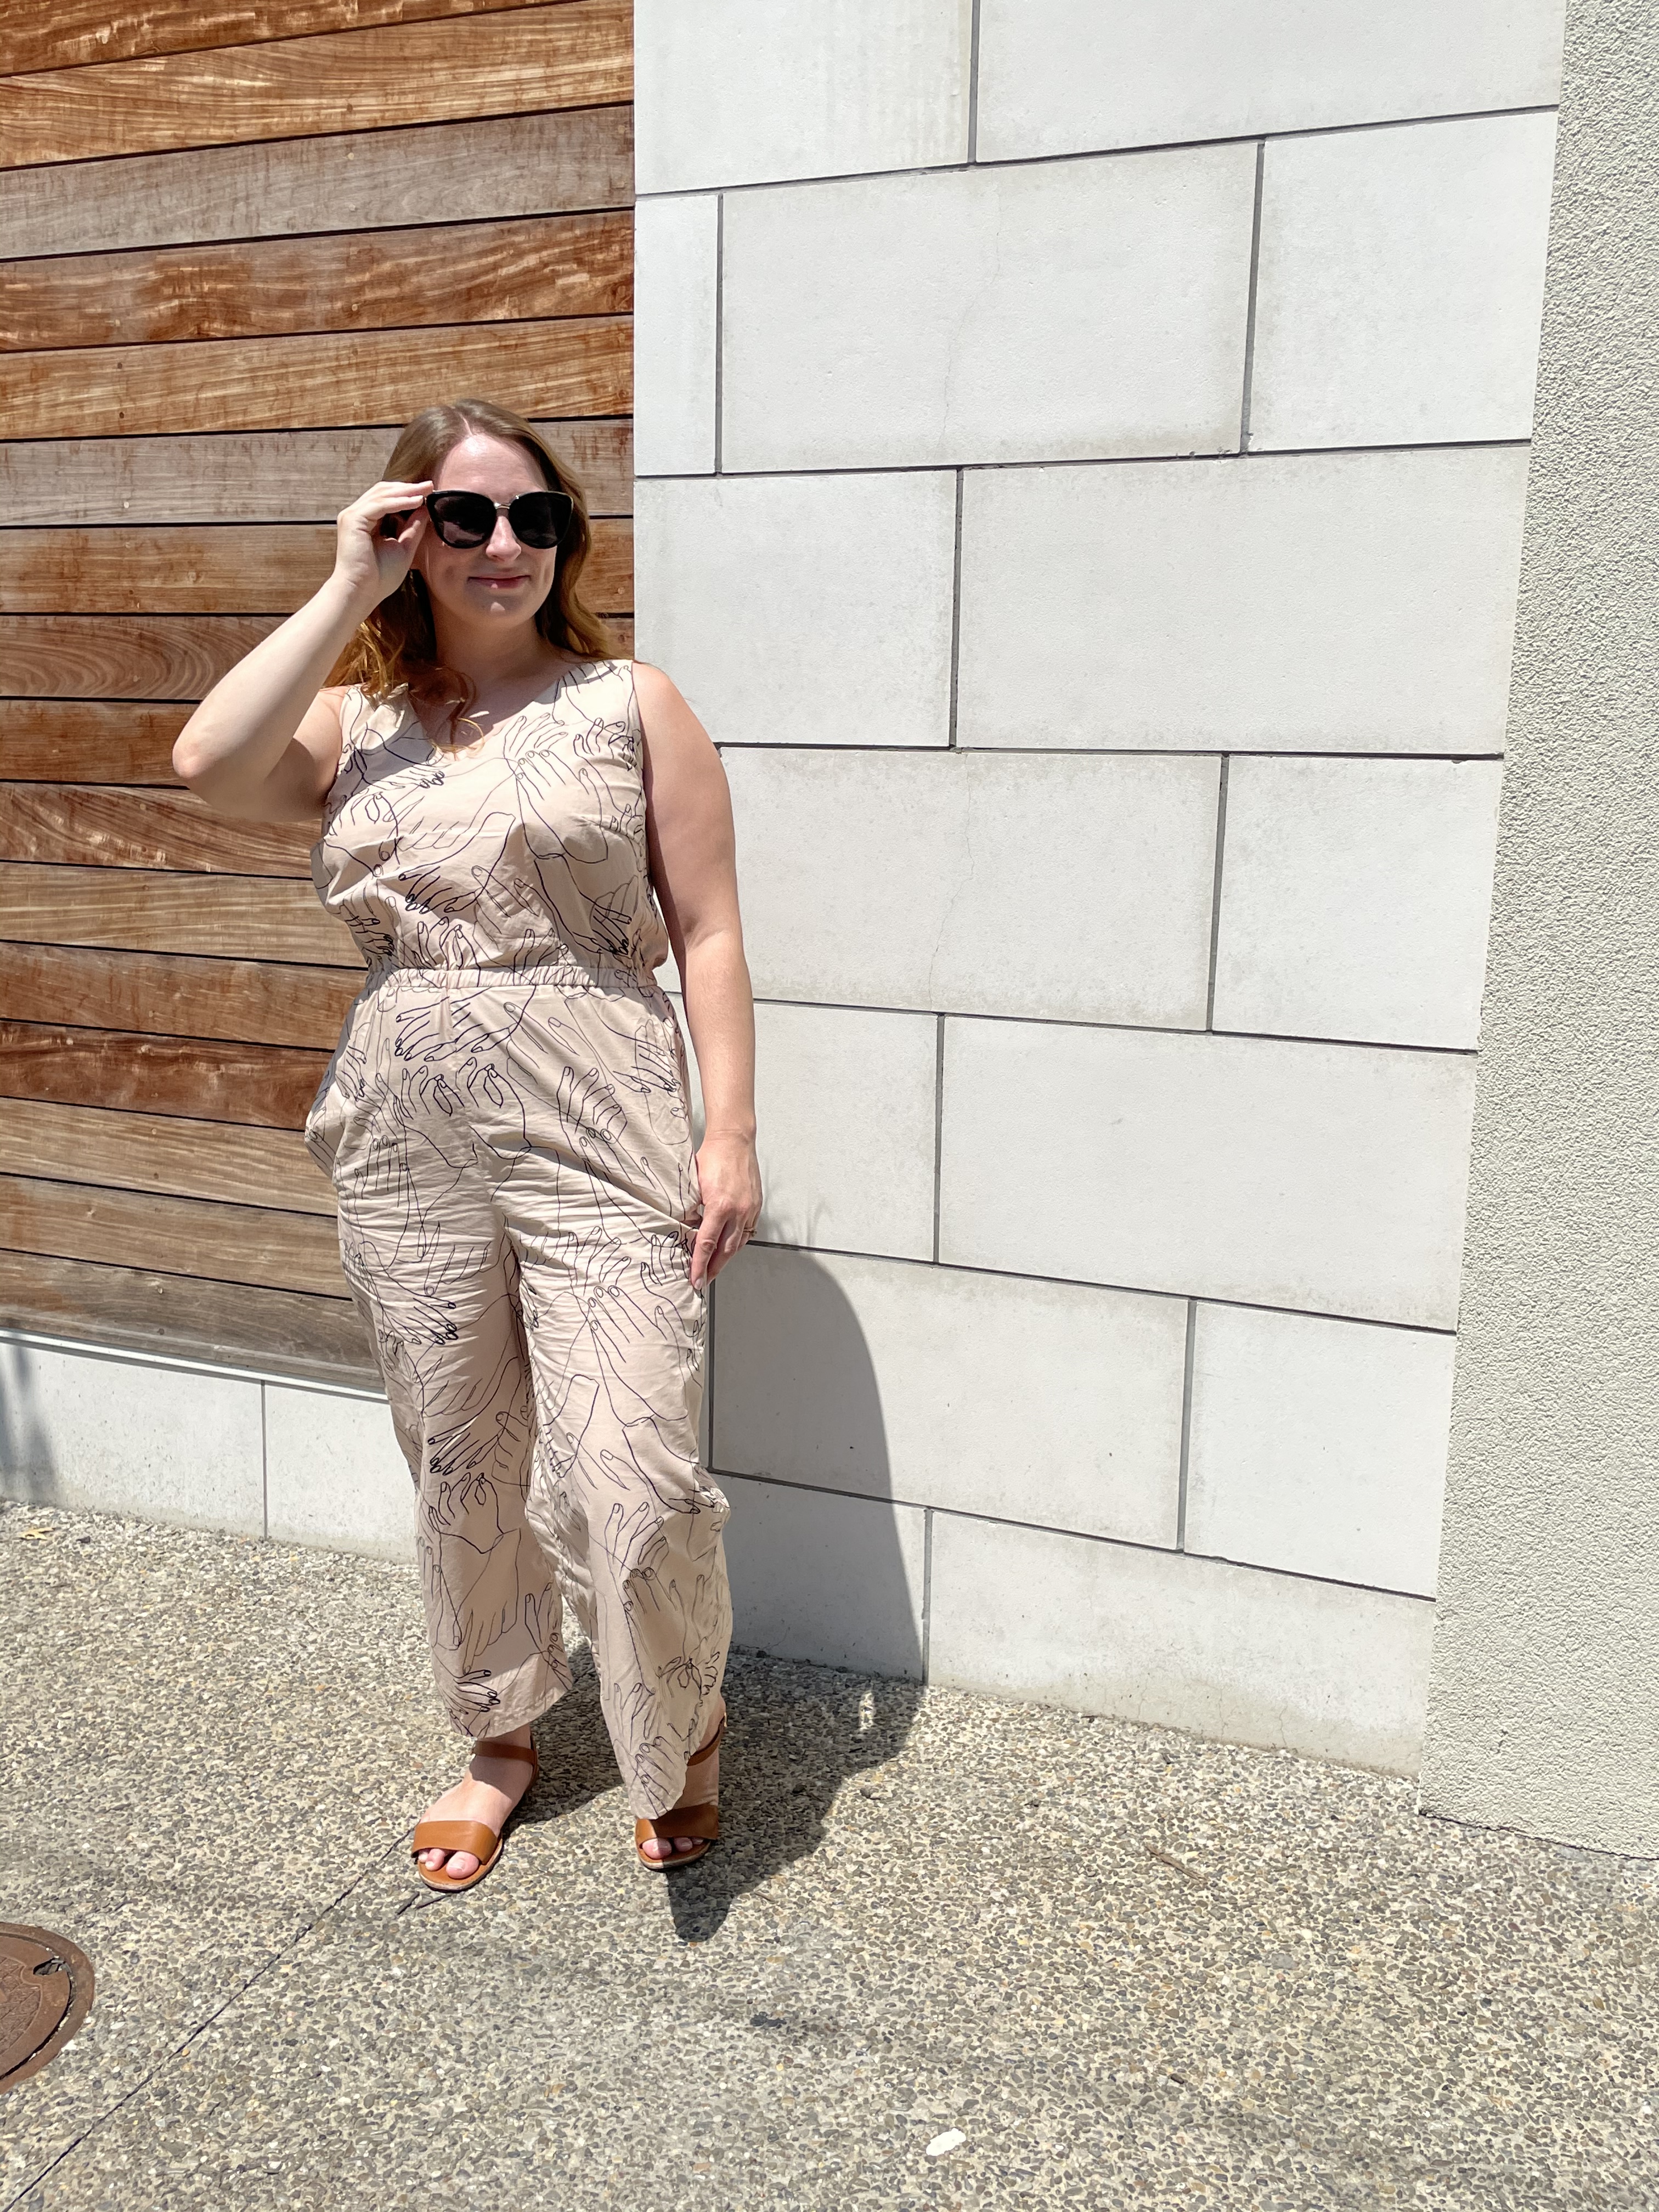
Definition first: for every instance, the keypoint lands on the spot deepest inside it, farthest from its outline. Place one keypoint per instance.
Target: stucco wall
(1544, 1712)
(1082, 457)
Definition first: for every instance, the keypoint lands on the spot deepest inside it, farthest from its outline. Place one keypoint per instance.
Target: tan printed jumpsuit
(504, 1119)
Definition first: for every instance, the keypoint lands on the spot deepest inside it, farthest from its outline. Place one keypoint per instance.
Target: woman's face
(501, 581)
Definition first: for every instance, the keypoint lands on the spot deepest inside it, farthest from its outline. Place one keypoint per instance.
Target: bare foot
(702, 1786)
(487, 1791)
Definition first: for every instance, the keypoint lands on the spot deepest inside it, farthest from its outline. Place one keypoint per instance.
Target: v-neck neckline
(472, 756)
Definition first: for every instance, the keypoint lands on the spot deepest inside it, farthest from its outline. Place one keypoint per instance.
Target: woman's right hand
(367, 566)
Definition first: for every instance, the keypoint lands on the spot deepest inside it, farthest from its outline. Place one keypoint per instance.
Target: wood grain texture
(155, 910)
(536, 267)
(176, 995)
(256, 476)
(508, 165)
(578, 366)
(114, 657)
(179, 1236)
(134, 826)
(312, 1338)
(261, 1086)
(159, 1152)
(87, 741)
(575, 53)
(223, 568)
(72, 33)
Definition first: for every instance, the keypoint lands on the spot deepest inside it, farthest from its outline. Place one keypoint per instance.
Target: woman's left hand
(728, 1177)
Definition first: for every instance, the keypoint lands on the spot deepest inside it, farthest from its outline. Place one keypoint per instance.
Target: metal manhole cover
(46, 1992)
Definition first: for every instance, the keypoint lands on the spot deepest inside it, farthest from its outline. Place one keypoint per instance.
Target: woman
(523, 1228)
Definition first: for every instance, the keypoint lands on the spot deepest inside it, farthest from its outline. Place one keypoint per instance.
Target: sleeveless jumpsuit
(504, 1120)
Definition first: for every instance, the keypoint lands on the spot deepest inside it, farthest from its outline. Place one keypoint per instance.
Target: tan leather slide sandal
(475, 1835)
(702, 1820)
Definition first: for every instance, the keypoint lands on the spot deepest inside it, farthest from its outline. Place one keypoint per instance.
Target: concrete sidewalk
(1132, 1969)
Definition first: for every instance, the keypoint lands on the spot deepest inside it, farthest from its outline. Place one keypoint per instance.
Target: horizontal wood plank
(313, 1338)
(113, 656)
(534, 268)
(72, 33)
(223, 568)
(256, 476)
(179, 1236)
(578, 366)
(185, 1157)
(156, 910)
(265, 1086)
(574, 53)
(176, 994)
(89, 741)
(488, 167)
(135, 826)
(109, 658)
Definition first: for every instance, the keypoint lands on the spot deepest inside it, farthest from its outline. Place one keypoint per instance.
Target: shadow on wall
(831, 1580)
(28, 1469)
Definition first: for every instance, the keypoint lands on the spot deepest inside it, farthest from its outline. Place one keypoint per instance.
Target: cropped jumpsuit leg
(512, 1158)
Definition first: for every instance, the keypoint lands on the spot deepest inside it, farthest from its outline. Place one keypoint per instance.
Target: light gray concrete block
(1071, 888)
(1401, 283)
(845, 1103)
(1031, 1401)
(812, 610)
(100, 1433)
(1052, 310)
(675, 287)
(1328, 1178)
(1061, 76)
(1319, 1446)
(734, 92)
(1354, 897)
(836, 1580)
(1326, 602)
(1223, 1651)
(334, 1475)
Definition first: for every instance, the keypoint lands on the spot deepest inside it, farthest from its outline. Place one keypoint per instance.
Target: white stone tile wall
(1062, 888)
(847, 1100)
(1354, 898)
(803, 611)
(1047, 1402)
(1321, 1177)
(1323, 603)
(1031, 312)
(1091, 534)
(1067, 77)
(1319, 1447)
(733, 92)
(1180, 1642)
(1082, 474)
(1401, 283)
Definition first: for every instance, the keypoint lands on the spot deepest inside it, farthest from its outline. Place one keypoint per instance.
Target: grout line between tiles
(956, 620)
(720, 330)
(1250, 306)
(1186, 1424)
(938, 1126)
(973, 88)
(1215, 891)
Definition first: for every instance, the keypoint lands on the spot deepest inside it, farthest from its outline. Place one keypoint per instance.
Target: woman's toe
(461, 1863)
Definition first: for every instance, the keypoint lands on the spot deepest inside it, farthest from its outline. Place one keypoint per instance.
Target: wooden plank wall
(243, 242)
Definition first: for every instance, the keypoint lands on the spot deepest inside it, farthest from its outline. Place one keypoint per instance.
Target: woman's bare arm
(694, 866)
(265, 744)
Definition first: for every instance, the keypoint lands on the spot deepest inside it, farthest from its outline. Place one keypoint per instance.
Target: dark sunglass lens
(537, 517)
(463, 518)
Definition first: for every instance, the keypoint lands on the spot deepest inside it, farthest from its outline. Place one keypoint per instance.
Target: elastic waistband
(546, 974)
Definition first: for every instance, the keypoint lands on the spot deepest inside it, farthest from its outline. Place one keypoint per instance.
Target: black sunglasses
(467, 518)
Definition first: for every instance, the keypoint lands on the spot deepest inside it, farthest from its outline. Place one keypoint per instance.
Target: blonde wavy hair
(396, 646)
